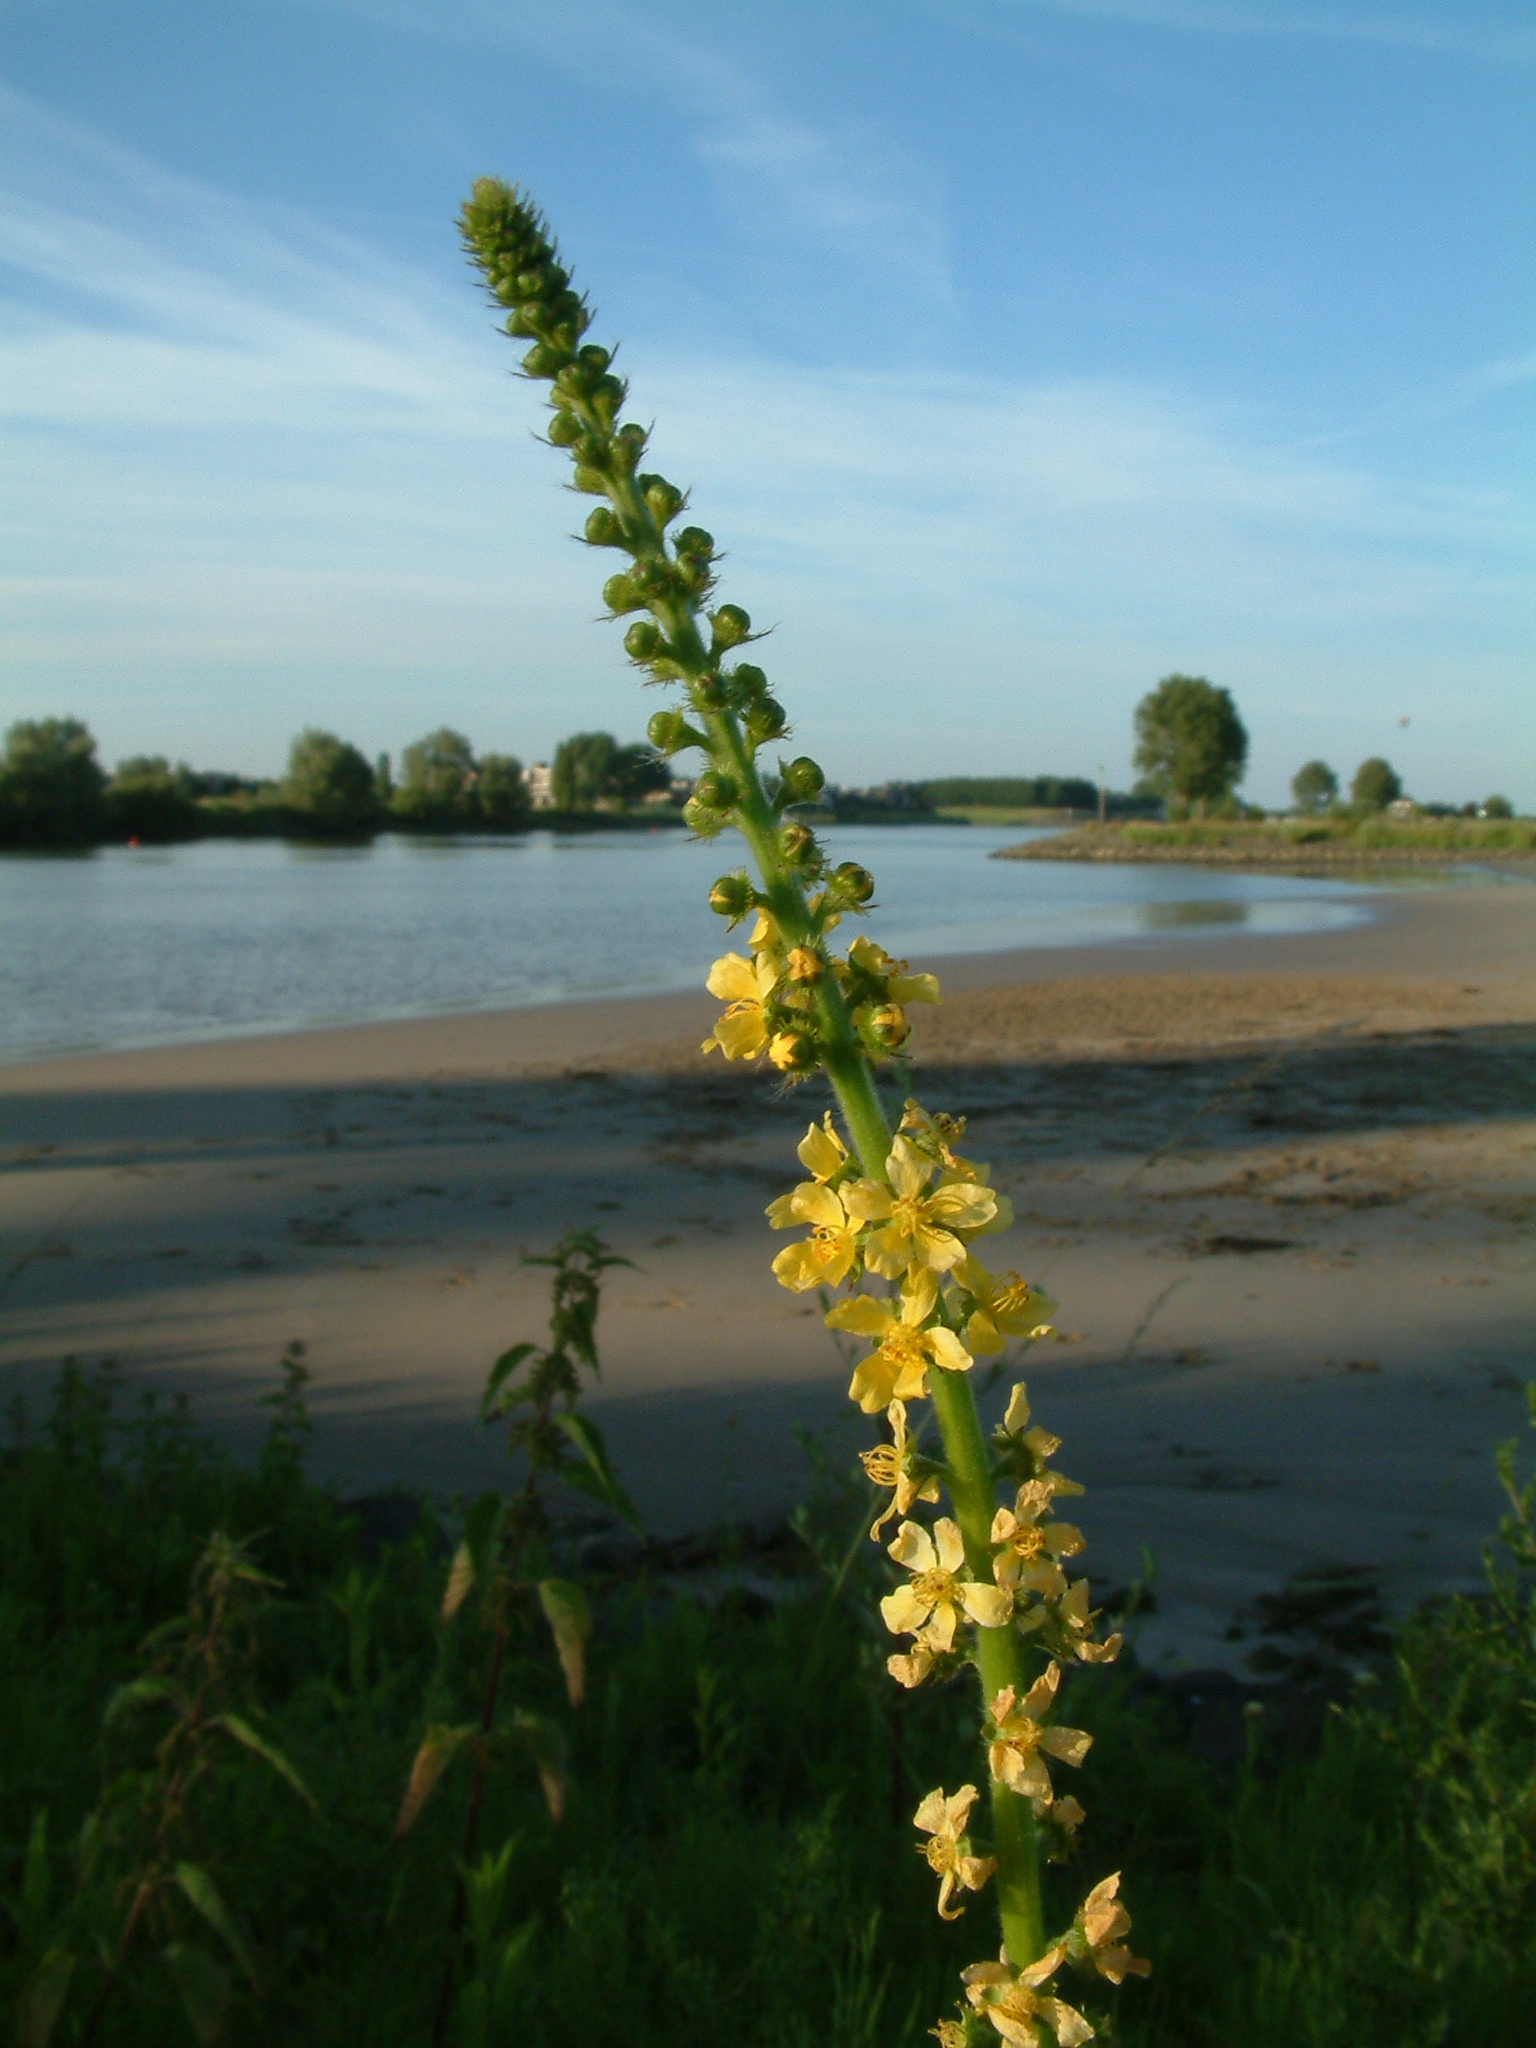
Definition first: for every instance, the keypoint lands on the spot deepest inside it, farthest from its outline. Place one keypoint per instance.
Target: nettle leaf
(595, 1476)
(140, 1692)
(570, 1621)
(492, 1402)
(42, 1999)
(475, 1558)
(204, 1989)
(546, 1744)
(237, 1727)
(439, 1747)
(203, 1894)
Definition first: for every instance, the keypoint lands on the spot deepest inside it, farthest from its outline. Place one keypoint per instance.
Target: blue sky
(1019, 351)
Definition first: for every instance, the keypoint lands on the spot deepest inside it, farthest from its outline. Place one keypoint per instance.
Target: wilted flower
(887, 1465)
(1011, 2000)
(1101, 1922)
(949, 1851)
(1020, 1740)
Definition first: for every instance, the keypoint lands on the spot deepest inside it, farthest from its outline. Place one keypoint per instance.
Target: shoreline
(1407, 932)
(1283, 1188)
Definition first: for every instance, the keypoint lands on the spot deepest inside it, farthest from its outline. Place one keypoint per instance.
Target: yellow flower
(931, 1607)
(1034, 1549)
(1102, 1921)
(1006, 1307)
(949, 2034)
(747, 985)
(1019, 1737)
(949, 1852)
(827, 1256)
(1075, 1616)
(1010, 1999)
(805, 964)
(901, 985)
(821, 1151)
(886, 1465)
(898, 1369)
(918, 1229)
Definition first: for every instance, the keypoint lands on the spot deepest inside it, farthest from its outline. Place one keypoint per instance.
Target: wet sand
(1284, 1190)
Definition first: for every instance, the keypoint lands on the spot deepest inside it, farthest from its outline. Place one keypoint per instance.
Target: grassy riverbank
(1292, 842)
(1351, 1859)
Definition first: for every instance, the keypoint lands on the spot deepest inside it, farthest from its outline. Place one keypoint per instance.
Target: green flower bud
(620, 594)
(543, 361)
(693, 540)
(710, 692)
(799, 844)
(733, 896)
(792, 1052)
(885, 1028)
(731, 625)
(628, 447)
(592, 481)
(851, 884)
(716, 791)
(565, 430)
(664, 499)
(702, 820)
(594, 360)
(765, 721)
(800, 781)
(669, 732)
(603, 528)
(644, 640)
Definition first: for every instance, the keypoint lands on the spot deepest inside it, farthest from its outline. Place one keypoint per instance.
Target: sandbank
(1283, 1189)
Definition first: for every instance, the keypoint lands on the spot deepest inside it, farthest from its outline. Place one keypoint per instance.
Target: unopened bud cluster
(982, 1587)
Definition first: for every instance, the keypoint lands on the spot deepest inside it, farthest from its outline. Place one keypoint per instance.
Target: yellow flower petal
(862, 1315)
(902, 1612)
(733, 979)
(988, 1606)
(948, 1351)
(821, 1151)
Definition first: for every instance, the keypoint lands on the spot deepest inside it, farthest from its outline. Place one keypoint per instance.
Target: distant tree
(383, 783)
(579, 773)
(592, 768)
(330, 783)
(1315, 788)
(437, 782)
(51, 785)
(1375, 785)
(1190, 743)
(1498, 807)
(501, 793)
(149, 799)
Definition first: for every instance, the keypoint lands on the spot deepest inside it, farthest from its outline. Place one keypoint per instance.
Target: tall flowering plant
(892, 1216)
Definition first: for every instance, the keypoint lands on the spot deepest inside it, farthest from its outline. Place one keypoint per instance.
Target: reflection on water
(1165, 917)
(154, 945)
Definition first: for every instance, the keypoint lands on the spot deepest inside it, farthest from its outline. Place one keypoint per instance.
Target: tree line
(54, 791)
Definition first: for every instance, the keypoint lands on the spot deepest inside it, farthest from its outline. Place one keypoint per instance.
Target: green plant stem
(999, 1657)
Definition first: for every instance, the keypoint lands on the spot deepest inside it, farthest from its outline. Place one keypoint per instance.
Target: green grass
(735, 1864)
(1294, 841)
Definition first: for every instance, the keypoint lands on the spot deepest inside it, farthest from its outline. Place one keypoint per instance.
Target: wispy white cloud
(1472, 28)
(258, 475)
(860, 191)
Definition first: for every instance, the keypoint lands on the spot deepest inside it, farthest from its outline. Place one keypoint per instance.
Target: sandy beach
(1284, 1190)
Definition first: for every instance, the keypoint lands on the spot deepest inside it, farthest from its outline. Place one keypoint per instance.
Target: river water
(150, 946)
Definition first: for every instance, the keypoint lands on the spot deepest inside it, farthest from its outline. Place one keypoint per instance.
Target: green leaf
(242, 1731)
(596, 1477)
(439, 1747)
(547, 1747)
(204, 1990)
(203, 1894)
(139, 1692)
(42, 1999)
(461, 1581)
(570, 1621)
(34, 1873)
(490, 1405)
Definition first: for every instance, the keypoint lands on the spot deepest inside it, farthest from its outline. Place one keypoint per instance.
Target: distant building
(1402, 807)
(539, 793)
